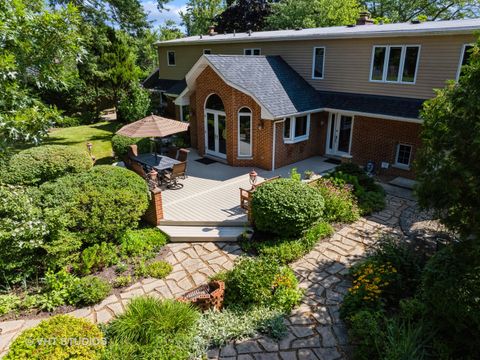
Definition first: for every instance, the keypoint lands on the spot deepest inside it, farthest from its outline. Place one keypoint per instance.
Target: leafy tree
(39, 49)
(170, 31)
(448, 164)
(292, 14)
(200, 14)
(400, 11)
(134, 104)
(244, 15)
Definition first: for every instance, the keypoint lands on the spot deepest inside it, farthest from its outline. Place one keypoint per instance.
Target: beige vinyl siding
(347, 62)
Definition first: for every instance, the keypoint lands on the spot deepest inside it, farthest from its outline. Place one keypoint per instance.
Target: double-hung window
(464, 57)
(296, 128)
(251, 52)
(403, 156)
(318, 65)
(171, 58)
(395, 63)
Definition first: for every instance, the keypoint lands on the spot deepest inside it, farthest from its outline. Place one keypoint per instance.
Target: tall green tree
(39, 50)
(169, 31)
(401, 10)
(292, 14)
(448, 164)
(200, 14)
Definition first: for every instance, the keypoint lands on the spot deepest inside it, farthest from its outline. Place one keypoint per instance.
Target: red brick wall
(207, 83)
(154, 213)
(377, 140)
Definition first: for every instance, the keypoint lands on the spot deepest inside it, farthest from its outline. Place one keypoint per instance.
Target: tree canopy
(292, 14)
(244, 15)
(448, 166)
(199, 15)
(401, 10)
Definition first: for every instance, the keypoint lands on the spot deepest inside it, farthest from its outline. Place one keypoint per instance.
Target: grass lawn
(98, 134)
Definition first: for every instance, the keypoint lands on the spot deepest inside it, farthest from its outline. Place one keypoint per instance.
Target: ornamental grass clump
(286, 207)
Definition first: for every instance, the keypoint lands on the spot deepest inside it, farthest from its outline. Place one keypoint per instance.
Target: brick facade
(372, 138)
(154, 213)
(377, 140)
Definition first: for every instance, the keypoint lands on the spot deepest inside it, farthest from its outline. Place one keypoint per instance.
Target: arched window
(215, 103)
(244, 132)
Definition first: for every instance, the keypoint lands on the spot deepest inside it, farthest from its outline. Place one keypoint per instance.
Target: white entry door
(216, 133)
(339, 137)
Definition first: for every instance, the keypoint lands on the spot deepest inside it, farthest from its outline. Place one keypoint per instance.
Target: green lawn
(98, 134)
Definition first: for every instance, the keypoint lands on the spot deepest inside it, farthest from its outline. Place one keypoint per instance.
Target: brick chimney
(211, 30)
(364, 18)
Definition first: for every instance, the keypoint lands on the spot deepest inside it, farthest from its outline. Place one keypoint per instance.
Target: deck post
(154, 213)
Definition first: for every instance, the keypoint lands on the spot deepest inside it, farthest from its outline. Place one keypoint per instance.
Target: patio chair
(183, 155)
(171, 178)
(172, 152)
(138, 168)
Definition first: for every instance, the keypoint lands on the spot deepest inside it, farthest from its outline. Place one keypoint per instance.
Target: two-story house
(272, 98)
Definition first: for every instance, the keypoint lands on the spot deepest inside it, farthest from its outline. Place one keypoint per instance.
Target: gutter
(275, 140)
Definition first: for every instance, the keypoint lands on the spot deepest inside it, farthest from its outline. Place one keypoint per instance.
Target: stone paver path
(192, 265)
(315, 330)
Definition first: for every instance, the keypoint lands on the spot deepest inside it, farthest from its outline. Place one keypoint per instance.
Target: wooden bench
(246, 195)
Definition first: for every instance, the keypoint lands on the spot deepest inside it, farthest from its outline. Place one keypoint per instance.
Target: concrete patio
(210, 193)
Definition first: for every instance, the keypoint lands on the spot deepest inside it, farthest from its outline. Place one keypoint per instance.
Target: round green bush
(45, 163)
(286, 207)
(100, 204)
(121, 143)
(262, 282)
(60, 337)
(159, 269)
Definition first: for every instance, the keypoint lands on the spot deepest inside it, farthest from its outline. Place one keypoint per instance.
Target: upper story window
(318, 62)
(395, 63)
(207, 51)
(296, 128)
(403, 156)
(464, 57)
(251, 51)
(171, 58)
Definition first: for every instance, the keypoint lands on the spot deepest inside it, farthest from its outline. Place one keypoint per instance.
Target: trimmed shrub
(45, 163)
(286, 207)
(121, 143)
(147, 318)
(101, 204)
(340, 204)
(47, 340)
(142, 242)
(89, 290)
(97, 257)
(262, 282)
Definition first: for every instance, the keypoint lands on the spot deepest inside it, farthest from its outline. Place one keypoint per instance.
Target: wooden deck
(210, 194)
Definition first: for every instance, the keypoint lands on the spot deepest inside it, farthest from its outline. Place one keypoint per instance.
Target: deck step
(204, 223)
(203, 233)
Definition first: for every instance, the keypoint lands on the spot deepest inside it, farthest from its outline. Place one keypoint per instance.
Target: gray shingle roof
(270, 80)
(335, 32)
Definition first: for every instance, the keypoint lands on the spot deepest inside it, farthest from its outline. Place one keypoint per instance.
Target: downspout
(275, 141)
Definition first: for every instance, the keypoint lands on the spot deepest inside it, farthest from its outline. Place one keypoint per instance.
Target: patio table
(158, 162)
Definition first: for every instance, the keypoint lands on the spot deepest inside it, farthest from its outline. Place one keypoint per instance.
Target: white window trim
(402, 64)
(313, 62)
(252, 50)
(207, 50)
(174, 56)
(250, 114)
(462, 54)
(292, 139)
(400, 165)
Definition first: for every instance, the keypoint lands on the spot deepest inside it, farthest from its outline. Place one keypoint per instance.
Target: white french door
(215, 133)
(339, 136)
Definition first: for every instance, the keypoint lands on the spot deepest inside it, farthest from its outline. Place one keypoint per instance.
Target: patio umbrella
(153, 126)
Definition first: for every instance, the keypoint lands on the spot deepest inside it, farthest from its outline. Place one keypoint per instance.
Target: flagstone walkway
(315, 330)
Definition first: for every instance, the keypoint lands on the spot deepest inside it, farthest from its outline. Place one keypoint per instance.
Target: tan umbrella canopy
(153, 126)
